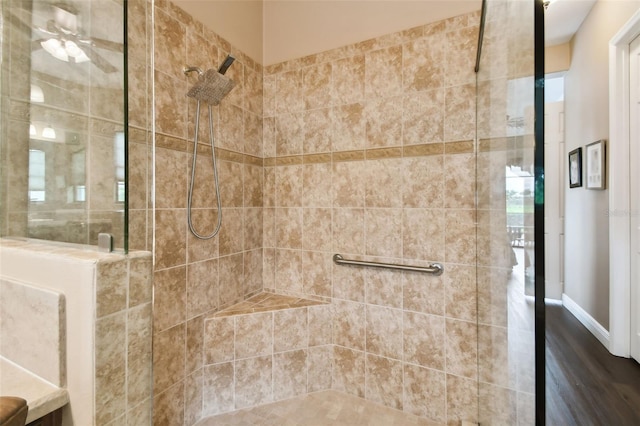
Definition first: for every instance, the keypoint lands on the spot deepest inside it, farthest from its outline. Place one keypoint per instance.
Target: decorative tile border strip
(291, 160)
(137, 135)
(316, 158)
(507, 143)
(348, 156)
(423, 150)
(463, 147)
(382, 153)
(182, 145)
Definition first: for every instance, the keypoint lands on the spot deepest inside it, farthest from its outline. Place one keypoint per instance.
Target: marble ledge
(41, 396)
(72, 251)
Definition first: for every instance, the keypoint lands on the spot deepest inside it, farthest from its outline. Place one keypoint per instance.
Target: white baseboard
(587, 320)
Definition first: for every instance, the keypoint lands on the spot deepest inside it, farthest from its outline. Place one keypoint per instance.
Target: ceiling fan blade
(103, 44)
(36, 44)
(46, 33)
(98, 60)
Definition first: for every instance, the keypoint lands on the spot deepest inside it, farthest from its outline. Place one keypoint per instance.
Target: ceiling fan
(65, 41)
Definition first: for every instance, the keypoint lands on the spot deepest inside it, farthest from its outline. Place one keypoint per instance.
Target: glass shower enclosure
(506, 203)
(63, 121)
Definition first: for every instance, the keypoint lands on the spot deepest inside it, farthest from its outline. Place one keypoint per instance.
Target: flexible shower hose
(193, 176)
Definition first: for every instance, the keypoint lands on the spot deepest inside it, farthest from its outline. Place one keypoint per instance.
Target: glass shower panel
(63, 144)
(505, 178)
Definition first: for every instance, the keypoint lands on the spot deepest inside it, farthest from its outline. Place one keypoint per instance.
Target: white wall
(587, 120)
(557, 58)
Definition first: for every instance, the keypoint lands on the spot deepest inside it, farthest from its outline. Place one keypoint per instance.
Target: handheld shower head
(211, 87)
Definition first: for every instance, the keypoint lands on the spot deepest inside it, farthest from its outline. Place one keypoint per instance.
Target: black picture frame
(575, 168)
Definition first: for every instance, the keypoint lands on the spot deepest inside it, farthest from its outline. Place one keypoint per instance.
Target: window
(118, 153)
(554, 88)
(78, 177)
(37, 176)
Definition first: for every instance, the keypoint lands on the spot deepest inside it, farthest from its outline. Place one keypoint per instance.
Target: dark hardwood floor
(586, 385)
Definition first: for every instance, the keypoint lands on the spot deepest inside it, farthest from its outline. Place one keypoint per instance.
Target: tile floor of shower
(317, 409)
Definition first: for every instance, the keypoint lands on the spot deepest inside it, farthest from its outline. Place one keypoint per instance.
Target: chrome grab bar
(434, 268)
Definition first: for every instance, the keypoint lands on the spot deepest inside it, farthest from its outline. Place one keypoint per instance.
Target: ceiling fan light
(48, 132)
(72, 48)
(55, 49)
(75, 52)
(82, 57)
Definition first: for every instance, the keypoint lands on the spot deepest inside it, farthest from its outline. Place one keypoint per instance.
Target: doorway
(554, 166)
(623, 191)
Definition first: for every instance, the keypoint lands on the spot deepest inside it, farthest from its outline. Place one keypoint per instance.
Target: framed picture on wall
(575, 168)
(595, 156)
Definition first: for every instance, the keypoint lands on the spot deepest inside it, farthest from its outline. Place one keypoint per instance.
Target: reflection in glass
(78, 188)
(118, 157)
(37, 166)
(63, 128)
(49, 132)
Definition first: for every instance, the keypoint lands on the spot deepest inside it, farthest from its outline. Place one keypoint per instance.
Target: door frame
(554, 286)
(619, 189)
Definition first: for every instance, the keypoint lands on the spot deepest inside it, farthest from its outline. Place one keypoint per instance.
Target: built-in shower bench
(267, 348)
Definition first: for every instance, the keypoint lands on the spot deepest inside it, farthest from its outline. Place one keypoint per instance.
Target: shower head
(211, 87)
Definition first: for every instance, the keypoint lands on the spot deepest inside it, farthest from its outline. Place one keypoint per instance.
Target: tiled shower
(366, 150)
(389, 150)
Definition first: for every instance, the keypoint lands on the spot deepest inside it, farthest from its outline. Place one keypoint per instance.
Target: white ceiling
(563, 18)
(298, 28)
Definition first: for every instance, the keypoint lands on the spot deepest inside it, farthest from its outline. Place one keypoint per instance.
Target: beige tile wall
(123, 330)
(369, 153)
(257, 358)
(140, 136)
(192, 278)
